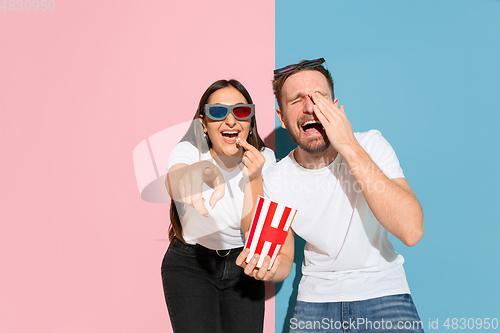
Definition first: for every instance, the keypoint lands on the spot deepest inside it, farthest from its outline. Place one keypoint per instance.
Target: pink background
(80, 88)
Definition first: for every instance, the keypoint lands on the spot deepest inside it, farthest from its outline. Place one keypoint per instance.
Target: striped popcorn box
(268, 230)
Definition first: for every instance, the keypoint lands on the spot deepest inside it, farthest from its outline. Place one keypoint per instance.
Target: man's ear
(336, 101)
(280, 117)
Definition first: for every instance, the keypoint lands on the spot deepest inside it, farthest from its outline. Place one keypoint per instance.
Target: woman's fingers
(218, 186)
(261, 273)
(199, 204)
(240, 261)
(251, 269)
(191, 187)
(218, 194)
(252, 159)
(274, 268)
(245, 145)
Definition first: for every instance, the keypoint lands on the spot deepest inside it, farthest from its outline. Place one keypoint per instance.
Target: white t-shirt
(348, 255)
(221, 229)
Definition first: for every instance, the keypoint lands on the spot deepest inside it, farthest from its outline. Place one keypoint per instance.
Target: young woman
(215, 182)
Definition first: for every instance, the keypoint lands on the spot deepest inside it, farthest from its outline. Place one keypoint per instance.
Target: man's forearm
(391, 201)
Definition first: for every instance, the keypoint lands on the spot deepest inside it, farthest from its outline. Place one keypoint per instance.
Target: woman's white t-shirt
(221, 229)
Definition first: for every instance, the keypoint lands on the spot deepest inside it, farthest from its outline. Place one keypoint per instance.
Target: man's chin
(318, 150)
(314, 147)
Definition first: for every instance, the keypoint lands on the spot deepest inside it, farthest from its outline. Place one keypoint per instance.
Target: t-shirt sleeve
(382, 154)
(184, 152)
(272, 181)
(265, 176)
(270, 158)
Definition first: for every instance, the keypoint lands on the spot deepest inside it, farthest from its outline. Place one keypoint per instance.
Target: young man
(350, 193)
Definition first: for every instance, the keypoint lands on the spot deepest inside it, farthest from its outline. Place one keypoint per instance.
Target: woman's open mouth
(230, 136)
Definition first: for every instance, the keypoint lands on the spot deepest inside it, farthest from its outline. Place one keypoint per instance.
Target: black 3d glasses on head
(289, 68)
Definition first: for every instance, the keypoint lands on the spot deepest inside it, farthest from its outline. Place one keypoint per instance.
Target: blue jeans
(395, 313)
(207, 292)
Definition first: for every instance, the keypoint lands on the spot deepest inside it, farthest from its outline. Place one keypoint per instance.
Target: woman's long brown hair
(175, 229)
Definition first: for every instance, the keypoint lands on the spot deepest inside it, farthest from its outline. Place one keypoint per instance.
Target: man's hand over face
(335, 122)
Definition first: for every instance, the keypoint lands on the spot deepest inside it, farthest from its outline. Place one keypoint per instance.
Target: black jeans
(207, 292)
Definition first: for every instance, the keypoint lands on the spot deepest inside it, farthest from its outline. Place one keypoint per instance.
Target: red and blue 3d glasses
(221, 111)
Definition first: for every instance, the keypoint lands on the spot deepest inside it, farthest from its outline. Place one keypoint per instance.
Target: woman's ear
(203, 123)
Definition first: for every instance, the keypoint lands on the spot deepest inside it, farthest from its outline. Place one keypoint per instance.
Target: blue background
(427, 75)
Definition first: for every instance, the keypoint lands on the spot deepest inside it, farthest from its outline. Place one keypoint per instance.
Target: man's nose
(308, 105)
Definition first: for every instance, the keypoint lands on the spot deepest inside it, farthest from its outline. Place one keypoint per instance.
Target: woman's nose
(230, 121)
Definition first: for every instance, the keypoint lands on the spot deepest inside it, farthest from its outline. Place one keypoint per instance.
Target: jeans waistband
(201, 250)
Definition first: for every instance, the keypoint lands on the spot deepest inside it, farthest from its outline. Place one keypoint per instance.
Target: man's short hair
(279, 80)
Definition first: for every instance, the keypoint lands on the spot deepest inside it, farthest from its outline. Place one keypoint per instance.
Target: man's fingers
(321, 116)
(324, 103)
(318, 107)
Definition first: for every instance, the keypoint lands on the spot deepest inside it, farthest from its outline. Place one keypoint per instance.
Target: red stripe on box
(271, 250)
(284, 218)
(255, 222)
(266, 227)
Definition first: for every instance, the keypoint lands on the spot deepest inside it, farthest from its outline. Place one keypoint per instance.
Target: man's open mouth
(312, 126)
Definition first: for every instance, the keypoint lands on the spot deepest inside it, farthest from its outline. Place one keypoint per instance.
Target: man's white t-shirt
(221, 229)
(348, 255)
